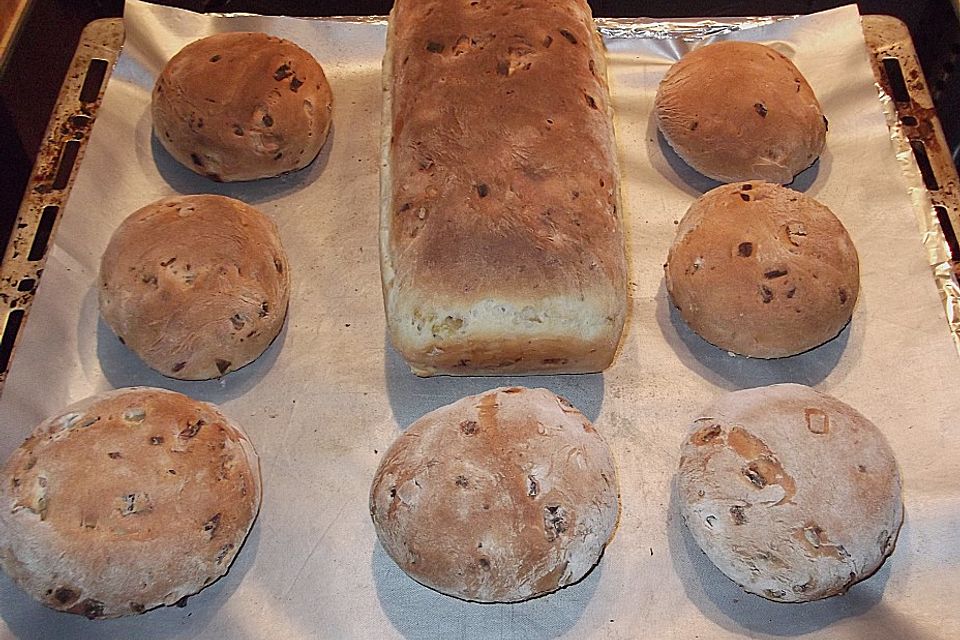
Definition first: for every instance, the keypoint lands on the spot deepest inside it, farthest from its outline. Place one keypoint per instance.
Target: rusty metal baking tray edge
(923, 153)
(53, 174)
(914, 128)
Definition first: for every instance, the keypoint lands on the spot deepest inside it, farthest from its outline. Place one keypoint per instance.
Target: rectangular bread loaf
(501, 245)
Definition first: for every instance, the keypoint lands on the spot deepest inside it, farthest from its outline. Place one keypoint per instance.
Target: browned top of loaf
(126, 501)
(741, 111)
(196, 285)
(763, 270)
(503, 163)
(241, 106)
(498, 497)
(790, 492)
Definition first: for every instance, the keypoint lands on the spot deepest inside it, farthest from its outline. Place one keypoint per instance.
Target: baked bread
(762, 270)
(126, 501)
(740, 111)
(242, 106)
(501, 247)
(498, 497)
(197, 286)
(791, 493)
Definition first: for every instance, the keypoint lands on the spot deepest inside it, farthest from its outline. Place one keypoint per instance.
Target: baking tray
(330, 395)
(914, 126)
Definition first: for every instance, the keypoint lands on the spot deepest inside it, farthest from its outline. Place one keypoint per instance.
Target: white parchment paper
(330, 395)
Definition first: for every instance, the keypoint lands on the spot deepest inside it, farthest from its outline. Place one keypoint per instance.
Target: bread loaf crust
(498, 497)
(126, 501)
(501, 241)
(740, 111)
(242, 106)
(762, 270)
(197, 286)
(790, 492)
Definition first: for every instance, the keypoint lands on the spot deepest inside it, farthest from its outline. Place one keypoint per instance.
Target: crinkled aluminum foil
(686, 30)
(938, 251)
(645, 28)
(374, 20)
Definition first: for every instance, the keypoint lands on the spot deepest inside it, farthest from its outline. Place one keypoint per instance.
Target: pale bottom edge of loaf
(506, 342)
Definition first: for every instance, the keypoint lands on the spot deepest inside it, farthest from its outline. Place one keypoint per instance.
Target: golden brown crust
(740, 111)
(499, 497)
(501, 187)
(126, 501)
(792, 494)
(197, 286)
(762, 270)
(242, 106)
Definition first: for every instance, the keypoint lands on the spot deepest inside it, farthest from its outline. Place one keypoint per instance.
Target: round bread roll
(127, 501)
(740, 111)
(197, 285)
(242, 106)
(499, 497)
(791, 493)
(762, 270)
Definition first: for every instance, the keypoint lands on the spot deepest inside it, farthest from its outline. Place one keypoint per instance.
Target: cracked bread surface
(499, 497)
(127, 501)
(791, 493)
